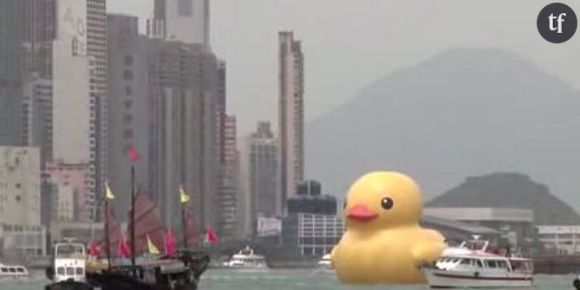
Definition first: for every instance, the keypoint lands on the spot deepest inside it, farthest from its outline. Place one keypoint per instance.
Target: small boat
(246, 259)
(68, 269)
(473, 265)
(325, 262)
(576, 283)
(12, 272)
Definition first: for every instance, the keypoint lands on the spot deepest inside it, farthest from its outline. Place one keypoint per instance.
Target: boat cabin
(12, 271)
(487, 264)
(69, 262)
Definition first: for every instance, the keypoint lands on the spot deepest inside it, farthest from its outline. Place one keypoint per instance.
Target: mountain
(509, 190)
(464, 112)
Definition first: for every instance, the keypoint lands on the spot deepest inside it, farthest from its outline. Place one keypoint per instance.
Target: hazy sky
(348, 44)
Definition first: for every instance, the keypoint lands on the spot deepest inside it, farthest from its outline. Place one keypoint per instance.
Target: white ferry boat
(472, 265)
(325, 262)
(68, 270)
(246, 259)
(11, 272)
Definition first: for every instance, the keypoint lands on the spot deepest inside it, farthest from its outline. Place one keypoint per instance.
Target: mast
(107, 234)
(132, 214)
(133, 156)
(184, 224)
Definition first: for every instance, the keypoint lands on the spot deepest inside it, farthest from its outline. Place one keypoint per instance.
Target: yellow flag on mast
(152, 248)
(108, 192)
(183, 196)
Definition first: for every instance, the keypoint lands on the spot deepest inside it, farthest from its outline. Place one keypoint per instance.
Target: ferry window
(80, 271)
(20, 270)
(12, 270)
(4, 270)
(465, 262)
(479, 263)
(70, 271)
(60, 270)
(501, 264)
(490, 264)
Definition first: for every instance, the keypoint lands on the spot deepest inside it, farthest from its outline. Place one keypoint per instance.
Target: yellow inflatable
(383, 242)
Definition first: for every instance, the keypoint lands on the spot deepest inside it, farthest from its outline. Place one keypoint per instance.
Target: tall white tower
(291, 114)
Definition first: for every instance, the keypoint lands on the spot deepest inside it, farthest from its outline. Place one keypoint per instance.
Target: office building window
(128, 75)
(128, 60)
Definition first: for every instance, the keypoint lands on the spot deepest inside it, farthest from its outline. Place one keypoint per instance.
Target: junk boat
(68, 269)
(473, 265)
(12, 272)
(246, 259)
(148, 268)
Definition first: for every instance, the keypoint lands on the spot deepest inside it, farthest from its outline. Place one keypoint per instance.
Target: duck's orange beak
(361, 213)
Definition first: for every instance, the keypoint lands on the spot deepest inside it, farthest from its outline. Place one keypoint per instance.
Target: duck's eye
(387, 203)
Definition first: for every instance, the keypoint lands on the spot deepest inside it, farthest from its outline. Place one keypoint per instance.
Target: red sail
(147, 222)
(115, 234)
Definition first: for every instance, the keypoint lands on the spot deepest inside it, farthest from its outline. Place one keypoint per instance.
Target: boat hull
(68, 285)
(453, 279)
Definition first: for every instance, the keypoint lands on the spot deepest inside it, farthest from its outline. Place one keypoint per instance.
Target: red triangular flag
(123, 249)
(95, 249)
(133, 153)
(211, 236)
(169, 242)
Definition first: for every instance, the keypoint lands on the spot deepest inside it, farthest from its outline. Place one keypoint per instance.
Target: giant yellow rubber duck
(383, 242)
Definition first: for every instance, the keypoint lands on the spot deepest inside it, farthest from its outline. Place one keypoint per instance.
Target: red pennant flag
(170, 242)
(211, 236)
(95, 249)
(133, 153)
(123, 249)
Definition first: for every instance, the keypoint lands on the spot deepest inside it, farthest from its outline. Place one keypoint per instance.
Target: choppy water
(289, 280)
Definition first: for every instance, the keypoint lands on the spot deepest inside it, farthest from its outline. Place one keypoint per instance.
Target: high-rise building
(19, 186)
(11, 74)
(261, 190)
(228, 189)
(291, 114)
(21, 233)
(39, 32)
(127, 106)
(183, 90)
(73, 134)
(221, 106)
(96, 45)
(25, 59)
(182, 20)
(37, 116)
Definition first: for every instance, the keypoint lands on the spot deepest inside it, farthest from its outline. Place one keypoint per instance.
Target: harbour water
(289, 280)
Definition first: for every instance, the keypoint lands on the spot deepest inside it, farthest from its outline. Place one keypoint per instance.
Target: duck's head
(381, 200)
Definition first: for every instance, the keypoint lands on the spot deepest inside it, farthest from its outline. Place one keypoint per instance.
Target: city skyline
(351, 46)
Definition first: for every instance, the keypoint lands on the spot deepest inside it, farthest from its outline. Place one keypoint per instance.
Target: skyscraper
(73, 131)
(127, 106)
(260, 195)
(182, 20)
(291, 114)
(228, 190)
(96, 31)
(182, 96)
(11, 74)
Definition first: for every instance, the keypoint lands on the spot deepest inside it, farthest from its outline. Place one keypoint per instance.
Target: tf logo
(557, 23)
